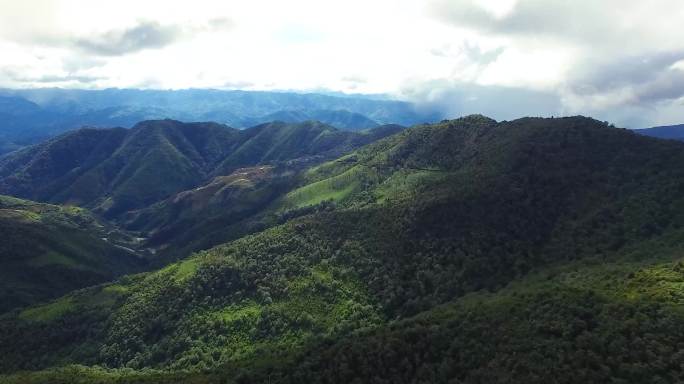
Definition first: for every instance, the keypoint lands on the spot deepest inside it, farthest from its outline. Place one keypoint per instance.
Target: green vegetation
(48, 312)
(47, 251)
(335, 188)
(471, 251)
(113, 171)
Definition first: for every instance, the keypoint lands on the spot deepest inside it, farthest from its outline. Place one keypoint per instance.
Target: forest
(467, 251)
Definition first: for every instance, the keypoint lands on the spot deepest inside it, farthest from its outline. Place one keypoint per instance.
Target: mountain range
(675, 132)
(113, 171)
(30, 116)
(470, 251)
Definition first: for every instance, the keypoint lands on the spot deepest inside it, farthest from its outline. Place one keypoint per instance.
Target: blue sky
(617, 60)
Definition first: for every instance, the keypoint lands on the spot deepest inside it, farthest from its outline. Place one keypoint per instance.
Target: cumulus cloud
(618, 60)
(644, 79)
(456, 98)
(17, 76)
(145, 35)
(619, 57)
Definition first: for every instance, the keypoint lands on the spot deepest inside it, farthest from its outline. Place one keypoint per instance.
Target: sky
(615, 60)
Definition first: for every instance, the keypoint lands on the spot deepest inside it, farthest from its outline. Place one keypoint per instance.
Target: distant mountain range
(675, 132)
(30, 116)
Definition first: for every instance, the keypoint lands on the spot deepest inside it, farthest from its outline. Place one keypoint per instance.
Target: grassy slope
(49, 250)
(435, 214)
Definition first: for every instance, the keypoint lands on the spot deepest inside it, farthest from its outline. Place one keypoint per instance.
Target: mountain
(55, 111)
(242, 202)
(50, 250)
(24, 123)
(112, 170)
(277, 142)
(675, 132)
(529, 251)
(224, 209)
(207, 104)
(342, 119)
(116, 170)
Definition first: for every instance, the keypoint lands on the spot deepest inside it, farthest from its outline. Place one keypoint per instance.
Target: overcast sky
(617, 60)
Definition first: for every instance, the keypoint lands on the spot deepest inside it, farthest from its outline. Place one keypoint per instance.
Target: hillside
(536, 250)
(226, 208)
(113, 171)
(278, 142)
(47, 251)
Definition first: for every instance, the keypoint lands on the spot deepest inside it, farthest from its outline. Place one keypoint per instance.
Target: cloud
(16, 75)
(456, 98)
(355, 79)
(618, 60)
(580, 21)
(145, 35)
(236, 84)
(647, 79)
(609, 58)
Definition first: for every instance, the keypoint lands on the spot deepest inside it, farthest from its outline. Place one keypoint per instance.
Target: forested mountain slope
(537, 250)
(225, 208)
(115, 170)
(47, 251)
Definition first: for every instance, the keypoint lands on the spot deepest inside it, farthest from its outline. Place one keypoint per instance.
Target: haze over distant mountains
(675, 132)
(32, 115)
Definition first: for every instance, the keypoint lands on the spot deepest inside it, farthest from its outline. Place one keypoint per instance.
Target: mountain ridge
(54, 111)
(675, 132)
(118, 170)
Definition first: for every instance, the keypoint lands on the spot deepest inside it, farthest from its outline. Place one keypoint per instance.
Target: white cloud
(615, 59)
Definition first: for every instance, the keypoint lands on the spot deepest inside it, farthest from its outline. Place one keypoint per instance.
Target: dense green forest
(113, 171)
(47, 251)
(469, 251)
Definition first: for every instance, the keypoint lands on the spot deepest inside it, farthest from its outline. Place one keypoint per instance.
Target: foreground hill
(47, 251)
(116, 170)
(531, 251)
